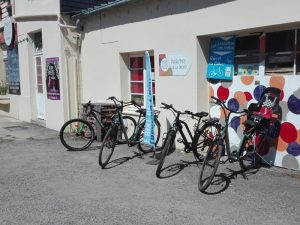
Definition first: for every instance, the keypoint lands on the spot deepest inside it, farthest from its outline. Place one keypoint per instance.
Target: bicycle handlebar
(198, 114)
(123, 104)
(135, 104)
(88, 105)
(170, 107)
(222, 104)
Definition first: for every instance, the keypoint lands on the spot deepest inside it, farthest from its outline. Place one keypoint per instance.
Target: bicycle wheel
(130, 126)
(108, 146)
(76, 134)
(252, 150)
(204, 138)
(210, 165)
(167, 149)
(140, 135)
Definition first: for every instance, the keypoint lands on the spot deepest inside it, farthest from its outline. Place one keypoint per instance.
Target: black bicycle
(205, 130)
(253, 143)
(119, 131)
(78, 134)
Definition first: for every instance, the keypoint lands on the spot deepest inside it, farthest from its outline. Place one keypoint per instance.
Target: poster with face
(52, 78)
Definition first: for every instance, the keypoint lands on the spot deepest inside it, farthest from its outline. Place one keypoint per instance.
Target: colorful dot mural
(235, 123)
(284, 134)
(223, 93)
(240, 97)
(288, 132)
(233, 104)
(247, 80)
(294, 104)
(277, 81)
(294, 149)
(248, 96)
(258, 91)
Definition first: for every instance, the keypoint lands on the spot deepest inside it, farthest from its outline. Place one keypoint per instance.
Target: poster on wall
(13, 71)
(173, 65)
(221, 58)
(52, 78)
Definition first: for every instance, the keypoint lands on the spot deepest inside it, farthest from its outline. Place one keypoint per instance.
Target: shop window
(280, 55)
(274, 53)
(137, 80)
(247, 57)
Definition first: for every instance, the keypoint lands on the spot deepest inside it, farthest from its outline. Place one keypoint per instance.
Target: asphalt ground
(42, 183)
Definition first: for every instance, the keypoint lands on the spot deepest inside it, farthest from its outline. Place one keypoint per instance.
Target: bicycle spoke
(76, 134)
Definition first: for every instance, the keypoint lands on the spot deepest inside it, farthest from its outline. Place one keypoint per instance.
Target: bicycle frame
(134, 139)
(118, 120)
(225, 136)
(178, 126)
(91, 112)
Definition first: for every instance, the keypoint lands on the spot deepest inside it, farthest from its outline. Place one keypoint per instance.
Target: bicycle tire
(204, 138)
(168, 145)
(140, 136)
(108, 146)
(130, 127)
(77, 134)
(250, 158)
(213, 155)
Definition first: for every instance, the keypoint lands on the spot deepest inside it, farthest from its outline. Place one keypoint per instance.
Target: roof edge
(89, 11)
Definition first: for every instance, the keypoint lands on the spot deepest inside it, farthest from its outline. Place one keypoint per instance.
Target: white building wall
(171, 26)
(51, 48)
(36, 7)
(39, 16)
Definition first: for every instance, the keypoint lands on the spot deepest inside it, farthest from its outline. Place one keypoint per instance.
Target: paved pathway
(42, 183)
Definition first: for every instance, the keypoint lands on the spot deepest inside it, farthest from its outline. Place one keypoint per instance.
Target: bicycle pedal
(179, 140)
(187, 150)
(131, 143)
(234, 153)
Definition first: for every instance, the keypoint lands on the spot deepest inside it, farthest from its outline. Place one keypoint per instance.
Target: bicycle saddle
(212, 120)
(201, 114)
(142, 111)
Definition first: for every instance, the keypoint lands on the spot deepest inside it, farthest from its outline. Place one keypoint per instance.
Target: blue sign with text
(221, 58)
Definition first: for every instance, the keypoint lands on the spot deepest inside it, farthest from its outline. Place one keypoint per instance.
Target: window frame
(263, 53)
(138, 55)
(252, 54)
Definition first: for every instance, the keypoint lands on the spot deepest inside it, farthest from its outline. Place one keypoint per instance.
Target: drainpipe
(76, 67)
(67, 55)
(63, 24)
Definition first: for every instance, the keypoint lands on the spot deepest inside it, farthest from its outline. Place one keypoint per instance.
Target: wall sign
(173, 65)
(221, 58)
(52, 78)
(13, 71)
(8, 31)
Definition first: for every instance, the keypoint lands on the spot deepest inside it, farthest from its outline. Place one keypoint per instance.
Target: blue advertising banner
(149, 124)
(13, 71)
(221, 58)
